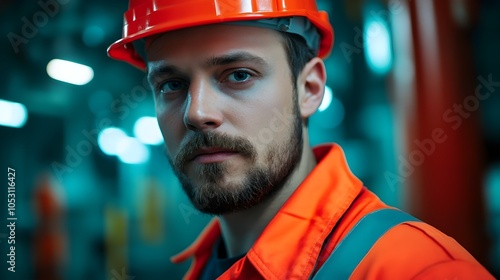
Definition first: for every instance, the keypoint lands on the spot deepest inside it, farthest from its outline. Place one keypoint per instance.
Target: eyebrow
(240, 56)
(226, 59)
(162, 70)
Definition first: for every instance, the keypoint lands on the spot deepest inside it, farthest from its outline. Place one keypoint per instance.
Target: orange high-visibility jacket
(328, 203)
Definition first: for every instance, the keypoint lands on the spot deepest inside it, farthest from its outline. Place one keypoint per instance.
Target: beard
(217, 197)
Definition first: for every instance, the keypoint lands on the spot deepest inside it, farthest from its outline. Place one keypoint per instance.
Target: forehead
(214, 40)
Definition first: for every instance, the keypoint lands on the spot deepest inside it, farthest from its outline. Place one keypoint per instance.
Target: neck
(240, 230)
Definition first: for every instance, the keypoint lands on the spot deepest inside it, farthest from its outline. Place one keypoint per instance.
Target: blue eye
(172, 86)
(239, 76)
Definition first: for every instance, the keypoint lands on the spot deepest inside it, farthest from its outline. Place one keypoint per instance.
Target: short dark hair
(298, 54)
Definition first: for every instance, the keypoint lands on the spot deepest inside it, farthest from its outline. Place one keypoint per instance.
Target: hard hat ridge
(296, 25)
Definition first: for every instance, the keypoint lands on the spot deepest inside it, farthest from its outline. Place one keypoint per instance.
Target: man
(234, 84)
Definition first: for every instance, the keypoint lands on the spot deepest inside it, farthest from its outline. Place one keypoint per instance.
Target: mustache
(213, 140)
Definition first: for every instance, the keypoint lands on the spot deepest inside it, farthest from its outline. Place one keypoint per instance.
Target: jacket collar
(301, 225)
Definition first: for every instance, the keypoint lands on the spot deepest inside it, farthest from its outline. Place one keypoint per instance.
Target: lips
(211, 155)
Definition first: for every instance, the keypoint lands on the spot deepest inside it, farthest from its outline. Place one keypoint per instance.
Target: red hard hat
(149, 17)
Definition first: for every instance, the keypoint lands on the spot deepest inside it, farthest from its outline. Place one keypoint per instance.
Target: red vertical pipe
(443, 164)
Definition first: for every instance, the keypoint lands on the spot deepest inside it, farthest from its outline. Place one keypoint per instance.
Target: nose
(202, 112)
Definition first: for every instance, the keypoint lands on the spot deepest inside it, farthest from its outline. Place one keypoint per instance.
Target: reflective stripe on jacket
(328, 203)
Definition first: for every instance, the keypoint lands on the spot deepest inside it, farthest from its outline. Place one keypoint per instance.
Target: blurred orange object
(49, 238)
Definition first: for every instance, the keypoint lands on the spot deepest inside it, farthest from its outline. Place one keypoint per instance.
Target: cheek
(269, 121)
(172, 129)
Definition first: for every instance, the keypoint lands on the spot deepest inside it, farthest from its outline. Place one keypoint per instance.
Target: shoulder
(416, 250)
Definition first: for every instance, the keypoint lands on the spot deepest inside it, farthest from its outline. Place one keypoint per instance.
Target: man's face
(226, 108)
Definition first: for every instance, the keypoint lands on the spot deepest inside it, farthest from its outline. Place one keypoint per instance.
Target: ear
(311, 86)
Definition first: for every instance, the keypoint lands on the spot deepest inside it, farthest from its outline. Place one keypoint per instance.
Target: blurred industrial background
(413, 97)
